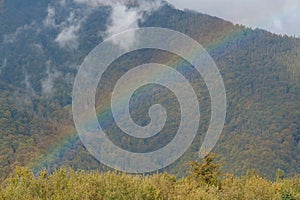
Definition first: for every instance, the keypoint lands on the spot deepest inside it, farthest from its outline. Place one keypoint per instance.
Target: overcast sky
(278, 16)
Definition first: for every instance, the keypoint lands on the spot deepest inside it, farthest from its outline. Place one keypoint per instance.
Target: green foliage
(206, 171)
(69, 184)
(279, 174)
(286, 195)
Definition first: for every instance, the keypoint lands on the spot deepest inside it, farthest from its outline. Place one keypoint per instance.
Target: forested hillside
(261, 72)
(203, 182)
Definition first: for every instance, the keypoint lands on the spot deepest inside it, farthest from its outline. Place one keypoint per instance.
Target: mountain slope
(260, 72)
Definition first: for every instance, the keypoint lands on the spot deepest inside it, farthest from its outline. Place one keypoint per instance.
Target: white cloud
(97, 3)
(50, 19)
(11, 38)
(253, 13)
(124, 17)
(150, 6)
(125, 14)
(278, 25)
(38, 47)
(28, 84)
(68, 38)
(47, 84)
(63, 3)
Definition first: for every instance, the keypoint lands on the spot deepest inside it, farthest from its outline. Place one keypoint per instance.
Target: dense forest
(203, 182)
(261, 72)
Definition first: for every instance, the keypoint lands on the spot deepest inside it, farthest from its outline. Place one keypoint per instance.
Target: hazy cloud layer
(47, 84)
(124, 15)
(68, 36)
(50, 19)
(122, 19)
(12, 37)
(28, 84)
(279, 16)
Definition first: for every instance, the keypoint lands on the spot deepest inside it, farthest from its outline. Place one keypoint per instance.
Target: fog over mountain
(279, 16)
(43, 43)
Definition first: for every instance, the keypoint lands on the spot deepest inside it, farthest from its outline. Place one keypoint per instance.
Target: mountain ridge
(262, 126)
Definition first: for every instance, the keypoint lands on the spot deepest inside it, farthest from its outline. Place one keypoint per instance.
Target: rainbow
(60, 147)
